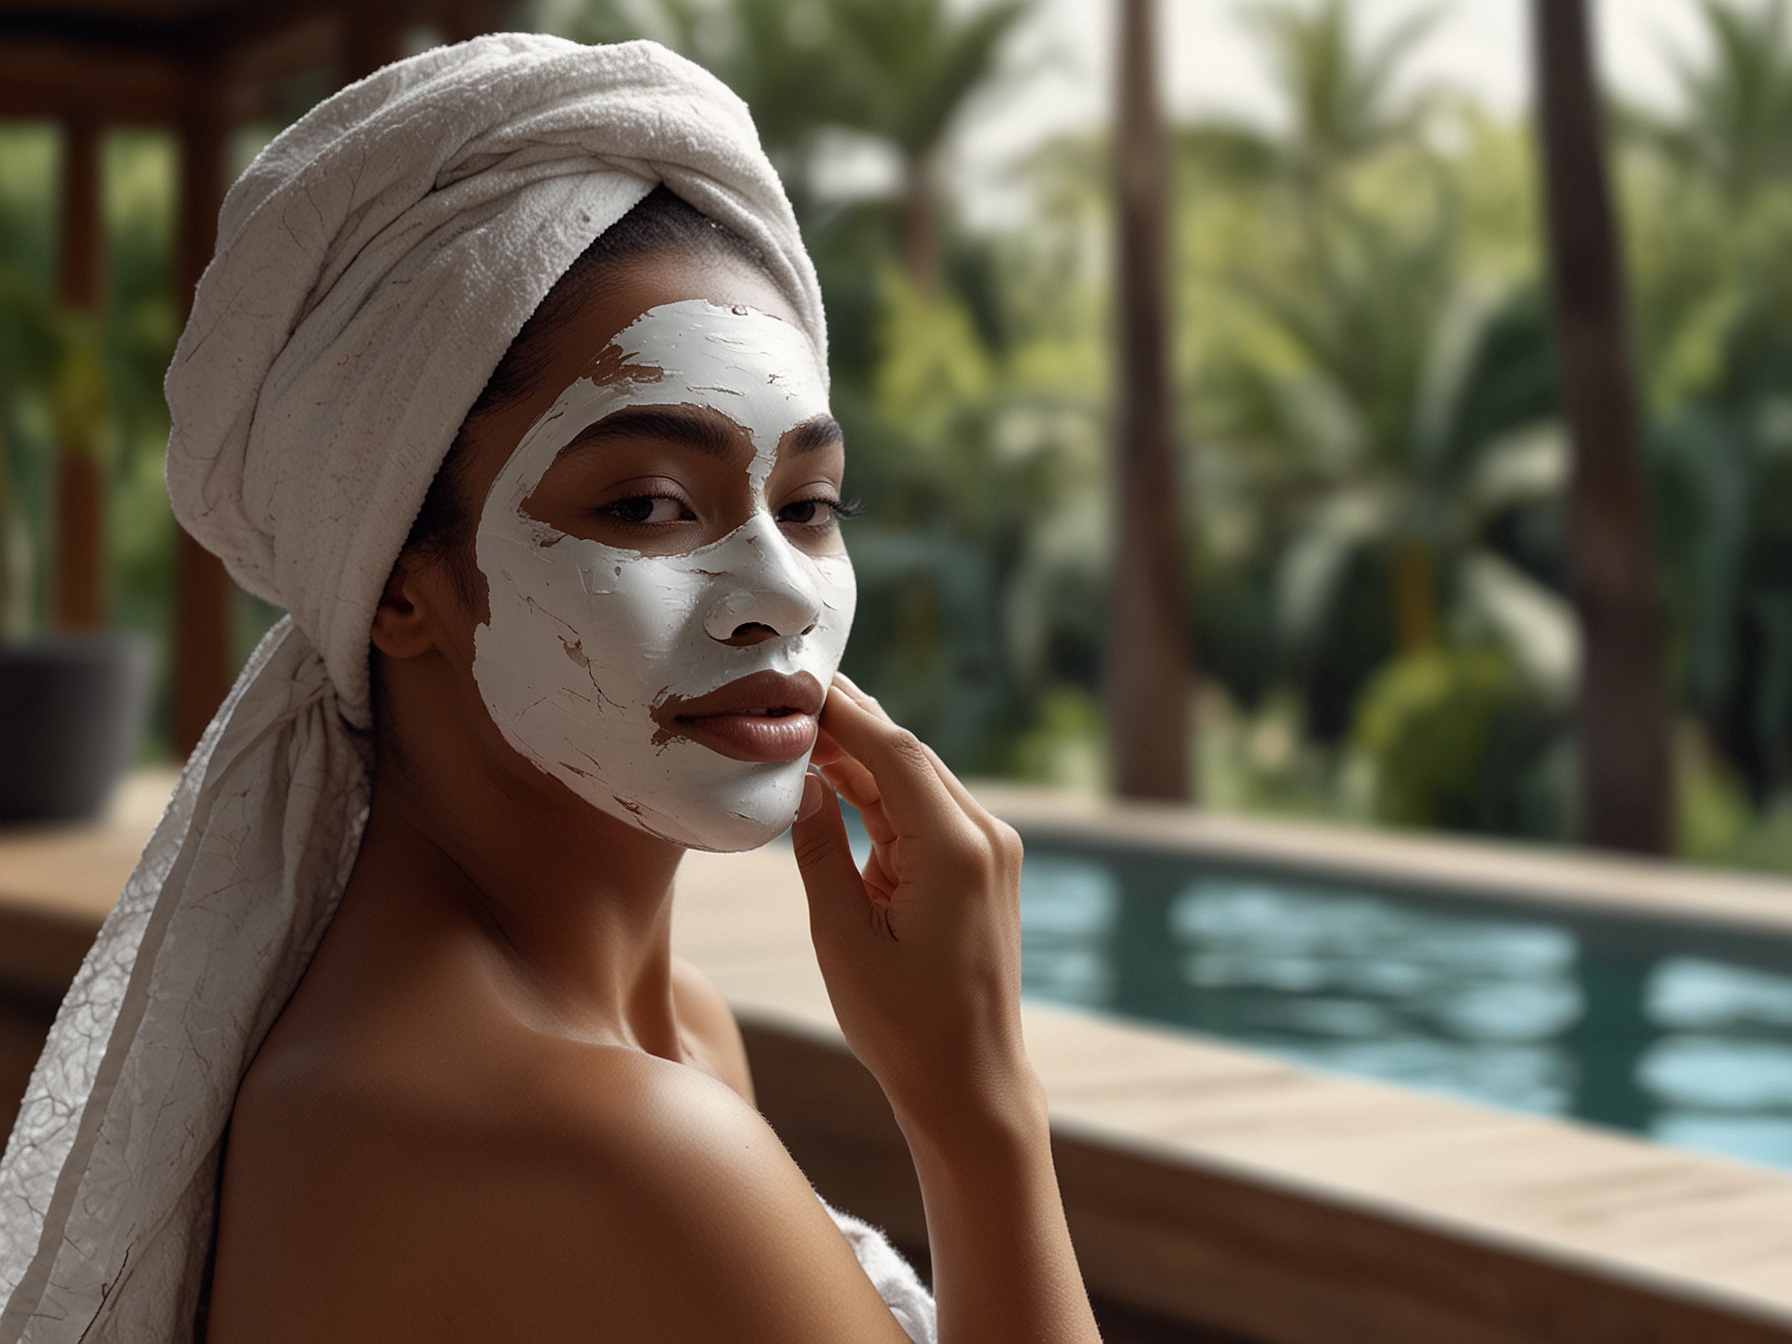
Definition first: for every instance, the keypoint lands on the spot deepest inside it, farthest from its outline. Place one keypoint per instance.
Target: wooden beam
(136, 73)
(202, 636)
(1625, 793)
(1149, 673)
(52, 78)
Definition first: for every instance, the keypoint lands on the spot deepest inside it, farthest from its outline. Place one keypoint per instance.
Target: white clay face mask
(590, 647)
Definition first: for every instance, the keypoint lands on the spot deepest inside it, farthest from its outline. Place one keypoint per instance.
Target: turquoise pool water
(1679, 1032)
(1664, 1031)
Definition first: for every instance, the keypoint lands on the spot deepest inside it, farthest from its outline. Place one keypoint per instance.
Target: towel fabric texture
(373, 264)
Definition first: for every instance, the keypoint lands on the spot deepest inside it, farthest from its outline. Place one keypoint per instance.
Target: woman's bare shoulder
(627, 1198)
(708, 1025)
(493, 1183)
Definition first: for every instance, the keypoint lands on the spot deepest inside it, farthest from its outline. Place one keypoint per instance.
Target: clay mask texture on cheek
(585, 640)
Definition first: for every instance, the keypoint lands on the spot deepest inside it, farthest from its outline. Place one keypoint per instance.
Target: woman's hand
(921, 951)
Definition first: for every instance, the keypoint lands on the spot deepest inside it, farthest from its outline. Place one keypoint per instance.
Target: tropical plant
(1340, 86)
(898, 71)
(1378, 471)
(1735, 124)
(1711, 191)
(27, 358)
(909, 68)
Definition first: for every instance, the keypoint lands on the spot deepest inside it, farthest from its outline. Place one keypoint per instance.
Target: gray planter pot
(72, 709)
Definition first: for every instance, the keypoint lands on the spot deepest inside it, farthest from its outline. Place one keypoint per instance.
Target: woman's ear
(407, 621)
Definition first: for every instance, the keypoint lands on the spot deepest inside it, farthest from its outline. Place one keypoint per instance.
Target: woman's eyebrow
(815, 433)
(706, 432)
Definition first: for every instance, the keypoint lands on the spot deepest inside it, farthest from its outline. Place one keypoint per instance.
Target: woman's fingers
(954, 786)
(850, 777)
(909, 788)
(824, 857)
(863, 699)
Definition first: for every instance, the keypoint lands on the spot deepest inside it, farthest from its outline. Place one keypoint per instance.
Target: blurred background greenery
(1373, 466)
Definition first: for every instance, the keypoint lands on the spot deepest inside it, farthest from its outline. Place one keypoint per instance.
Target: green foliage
(1709, 199)
(1736, 129)
(967, 459)
(74, 378)
(1454, 739)
(900, 70)
(1370, 378)
(1338, 86)
(28, 342)
(908, 67)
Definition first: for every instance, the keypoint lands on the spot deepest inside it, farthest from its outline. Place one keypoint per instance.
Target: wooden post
(464, 19)
(1625, 784)
(80, 584)
(373, 36)
(1149, 665)
(202, 654)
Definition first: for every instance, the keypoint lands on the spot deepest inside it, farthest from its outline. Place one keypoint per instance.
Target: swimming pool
(1679, 1034)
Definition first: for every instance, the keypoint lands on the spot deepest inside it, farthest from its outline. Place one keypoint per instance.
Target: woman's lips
(752, 737)
(767, 717)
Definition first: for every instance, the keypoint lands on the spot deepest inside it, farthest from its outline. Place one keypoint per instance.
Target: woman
(603, 631)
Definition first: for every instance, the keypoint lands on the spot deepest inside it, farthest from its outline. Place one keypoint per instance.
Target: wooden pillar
(1149, 665)
(373, 36)
(203, 664)
(80, 581)
(464, 19)
(1625, 784)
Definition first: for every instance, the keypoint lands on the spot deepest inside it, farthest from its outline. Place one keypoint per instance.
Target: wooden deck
(1205, 1184)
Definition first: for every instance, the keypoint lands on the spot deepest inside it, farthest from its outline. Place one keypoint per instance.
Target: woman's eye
(646, 510)
(803, 511)
(818, 512)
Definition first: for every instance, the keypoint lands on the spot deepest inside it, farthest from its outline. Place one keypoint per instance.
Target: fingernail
(812, 787)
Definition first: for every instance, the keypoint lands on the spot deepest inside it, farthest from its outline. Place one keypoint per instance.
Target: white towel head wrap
(375, 261)
(373, 265)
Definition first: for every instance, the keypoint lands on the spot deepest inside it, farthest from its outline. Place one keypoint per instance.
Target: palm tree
(1722, 483)
(898, 70)
(1736, 127)
(1625, 782)
(1148, 658)
(908, 69)
(1359, 297)
(1391, 410)
(1339, 86)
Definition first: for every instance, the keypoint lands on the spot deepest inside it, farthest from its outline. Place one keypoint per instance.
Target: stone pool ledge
(1205, 1184)
(1567, 885)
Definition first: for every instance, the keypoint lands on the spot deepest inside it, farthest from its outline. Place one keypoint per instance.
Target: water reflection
(1609, 1038)
(1518, 1012)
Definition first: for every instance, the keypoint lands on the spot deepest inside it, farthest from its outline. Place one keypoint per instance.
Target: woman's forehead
(751, 365)
(587, 340)
(679, 373)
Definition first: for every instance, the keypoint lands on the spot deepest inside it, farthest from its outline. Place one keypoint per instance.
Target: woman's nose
(766, 591)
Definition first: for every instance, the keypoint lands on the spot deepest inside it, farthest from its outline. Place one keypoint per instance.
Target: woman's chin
(744, 813)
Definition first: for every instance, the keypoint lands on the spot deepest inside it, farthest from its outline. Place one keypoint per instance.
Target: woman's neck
(577, 902)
